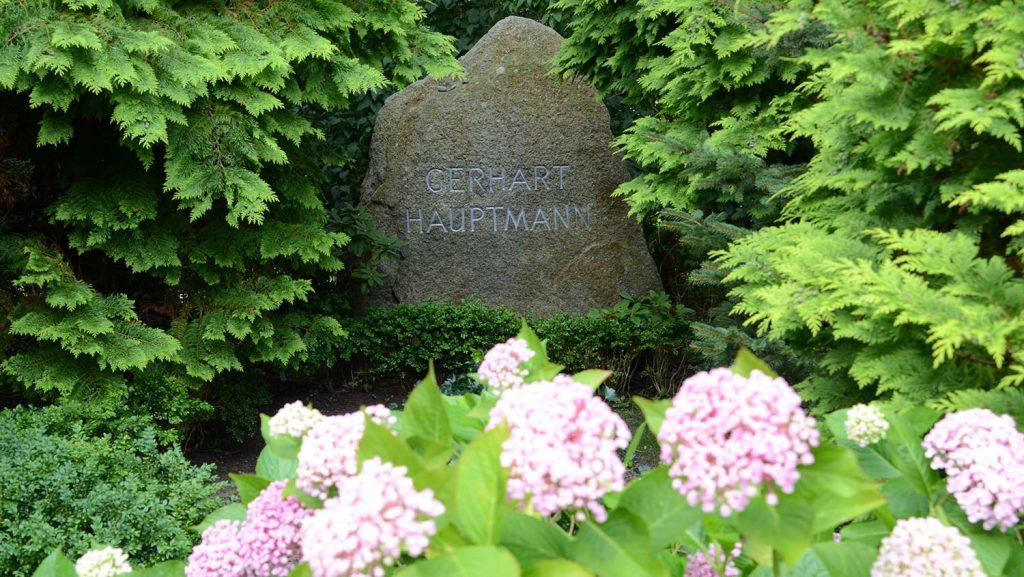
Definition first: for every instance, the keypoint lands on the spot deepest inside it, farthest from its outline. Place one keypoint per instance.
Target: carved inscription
(492, 181)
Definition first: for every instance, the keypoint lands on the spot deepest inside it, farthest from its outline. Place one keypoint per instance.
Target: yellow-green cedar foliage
(186, 188)
(896, 259)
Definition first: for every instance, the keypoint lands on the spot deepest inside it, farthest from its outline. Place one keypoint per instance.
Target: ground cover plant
(68, 483)
(526, 479)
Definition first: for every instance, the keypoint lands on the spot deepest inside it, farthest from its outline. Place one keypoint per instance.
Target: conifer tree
(701, 150)
(185, 219)
(879, 148)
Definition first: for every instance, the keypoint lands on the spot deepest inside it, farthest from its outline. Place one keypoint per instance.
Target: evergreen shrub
(72, 484)
(867, 156)
(166, 214)
(394, 342)
(702, 177)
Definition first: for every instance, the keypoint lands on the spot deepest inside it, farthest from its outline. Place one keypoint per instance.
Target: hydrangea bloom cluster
(217, 554)
(865, 425)
(106, 562)
(725, 436)
(983, 456)
(924, 546)
(376, 514)
(269, 539)
(294, 419)
(561, 449)
(501, 368)
(328, 452)
(703, 565)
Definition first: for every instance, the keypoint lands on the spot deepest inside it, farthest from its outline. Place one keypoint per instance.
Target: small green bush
(397, 342)
(67, 484)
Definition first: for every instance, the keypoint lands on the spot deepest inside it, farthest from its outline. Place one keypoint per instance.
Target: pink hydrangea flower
(377, 514)
(269, 539)
(703, 565)
(561, 449)
(501, 368)
(983, 456)
(218, 554)
(726, 436)
(330, 448)
(924, 546)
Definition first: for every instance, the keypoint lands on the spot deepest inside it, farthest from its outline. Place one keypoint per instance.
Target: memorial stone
(500, 185)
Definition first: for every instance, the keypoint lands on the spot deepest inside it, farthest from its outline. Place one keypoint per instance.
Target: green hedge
(63, 485)
(397, 342)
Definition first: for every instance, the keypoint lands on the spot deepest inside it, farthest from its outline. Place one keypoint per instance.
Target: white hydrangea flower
(920, 547)
(865, 425)
(294, 419)
(106, 562)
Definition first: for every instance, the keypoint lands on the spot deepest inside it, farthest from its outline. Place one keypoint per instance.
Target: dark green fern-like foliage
(709, 170)
(903, 247)
(185, 222)
(875, 150)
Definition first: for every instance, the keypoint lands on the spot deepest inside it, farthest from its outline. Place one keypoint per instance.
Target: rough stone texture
(507, 114)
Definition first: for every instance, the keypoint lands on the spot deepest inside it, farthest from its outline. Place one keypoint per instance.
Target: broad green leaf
(620, 547)
(904, 499)
(284, 446)
(836, 488)
(485, 561)
(533, 540)
(557, 568)
(270, 466)
(787, 527)
(311, 502)
(846, 559)
(904, 439)
(249, 486)
(654, 411)
(746, 362)
(425, 422)
(1015, 565)
(592, 377)
(663, 509)
(992, 547)
(232, 512)
(465, 425)
(807, 566)
(163, 569)
(482, 410)
(55, 565)
(301, 570)
(447, 540)
(634, 444)
(868, 533)
(440, 480)
(480, 488)
(379, 441)
(539, 367)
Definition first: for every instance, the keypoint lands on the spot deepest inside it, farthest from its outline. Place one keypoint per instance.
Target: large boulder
(500, 184)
